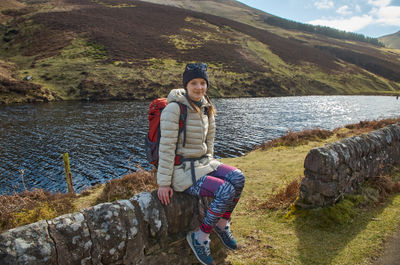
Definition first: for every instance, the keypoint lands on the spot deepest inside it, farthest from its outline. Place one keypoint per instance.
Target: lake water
(105, 139)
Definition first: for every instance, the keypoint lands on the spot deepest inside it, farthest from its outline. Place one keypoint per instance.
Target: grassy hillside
(229, 9)
(392, 40)
(125, 49)
(7, 7)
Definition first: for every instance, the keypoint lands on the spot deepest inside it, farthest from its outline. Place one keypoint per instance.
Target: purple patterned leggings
(225, 185)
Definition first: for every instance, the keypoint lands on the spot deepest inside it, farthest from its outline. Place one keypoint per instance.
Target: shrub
(297, 138)
(284, 198)
(129, 185)
(366, 126)
(32, 206)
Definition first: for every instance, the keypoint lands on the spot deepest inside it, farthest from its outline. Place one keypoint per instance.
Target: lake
(105, 140)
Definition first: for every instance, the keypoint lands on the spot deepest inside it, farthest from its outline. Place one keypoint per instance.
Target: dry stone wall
(135, 231)
(339, 168)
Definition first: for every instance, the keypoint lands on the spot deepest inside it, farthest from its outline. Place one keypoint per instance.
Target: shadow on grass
(323, 234)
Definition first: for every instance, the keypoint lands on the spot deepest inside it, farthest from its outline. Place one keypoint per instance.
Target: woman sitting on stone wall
(197, 173)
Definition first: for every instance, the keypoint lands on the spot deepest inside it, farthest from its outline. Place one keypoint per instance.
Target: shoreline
(372, 94)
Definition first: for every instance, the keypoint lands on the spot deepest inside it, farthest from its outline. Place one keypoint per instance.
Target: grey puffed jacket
(200, 133)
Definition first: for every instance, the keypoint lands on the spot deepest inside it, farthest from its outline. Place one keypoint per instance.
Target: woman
(199, 174)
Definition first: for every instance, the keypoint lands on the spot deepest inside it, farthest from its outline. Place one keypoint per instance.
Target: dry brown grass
(284, 198)
(7, 70)
(385, 185)
(31, 206)
(365, 127)
(297, 138)
(128, 186)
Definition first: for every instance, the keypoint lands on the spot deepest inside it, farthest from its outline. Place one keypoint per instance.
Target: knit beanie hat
(195, 70)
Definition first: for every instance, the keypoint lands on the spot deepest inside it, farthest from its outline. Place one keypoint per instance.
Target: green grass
(349, 233)
(63, 73)
(113, 5)
(84, 60)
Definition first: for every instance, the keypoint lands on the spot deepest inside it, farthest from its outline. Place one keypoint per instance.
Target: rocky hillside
(392, 40)
(126, 49)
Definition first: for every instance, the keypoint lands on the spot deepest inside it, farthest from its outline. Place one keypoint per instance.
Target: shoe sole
(223, 243)
(189, 240)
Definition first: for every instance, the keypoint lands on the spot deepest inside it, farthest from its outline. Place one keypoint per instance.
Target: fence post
(68, 174)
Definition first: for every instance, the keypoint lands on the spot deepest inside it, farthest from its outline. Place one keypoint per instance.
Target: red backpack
(154, 135)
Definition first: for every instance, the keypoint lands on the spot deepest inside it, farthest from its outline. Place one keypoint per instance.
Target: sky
(372, 18)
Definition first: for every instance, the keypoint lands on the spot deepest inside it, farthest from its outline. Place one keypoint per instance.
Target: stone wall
(135, 231)
(339, 168)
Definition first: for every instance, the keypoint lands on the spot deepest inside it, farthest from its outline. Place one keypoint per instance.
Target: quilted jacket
(200, 133)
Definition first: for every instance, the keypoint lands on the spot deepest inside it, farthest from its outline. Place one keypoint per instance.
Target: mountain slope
(6, 6)
(121, 49)
(229, 9)
(392, 40)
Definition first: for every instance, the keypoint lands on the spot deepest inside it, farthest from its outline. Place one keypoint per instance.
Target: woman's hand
(164, 194)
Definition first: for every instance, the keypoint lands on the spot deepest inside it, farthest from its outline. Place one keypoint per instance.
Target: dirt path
(391, 254)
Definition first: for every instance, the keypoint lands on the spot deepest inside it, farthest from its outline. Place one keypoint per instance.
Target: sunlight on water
(105, 139)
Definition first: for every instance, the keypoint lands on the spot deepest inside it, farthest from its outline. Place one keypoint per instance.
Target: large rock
(30, 244)
(72, 239)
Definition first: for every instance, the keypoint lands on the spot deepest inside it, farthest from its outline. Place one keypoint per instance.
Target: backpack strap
(192, 168)
(182, 121)
(182, 128)
(206, 111)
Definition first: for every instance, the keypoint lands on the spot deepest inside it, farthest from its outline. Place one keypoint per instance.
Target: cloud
(381, 12)
(344, 10)
(323, 4)
(351, 24)
(379, 3)
(389, 15)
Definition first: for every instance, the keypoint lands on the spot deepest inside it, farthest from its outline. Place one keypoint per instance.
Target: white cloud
(381, 12)
(352, 24)
(344, 10)
(323, 4)
(379, 3)
(389, 15)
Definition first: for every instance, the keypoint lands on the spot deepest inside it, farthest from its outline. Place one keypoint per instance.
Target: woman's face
(196, 88)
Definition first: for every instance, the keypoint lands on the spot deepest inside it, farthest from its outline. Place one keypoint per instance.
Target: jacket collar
(178, 95)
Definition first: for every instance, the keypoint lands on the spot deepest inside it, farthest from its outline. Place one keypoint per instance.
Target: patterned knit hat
(195, 70)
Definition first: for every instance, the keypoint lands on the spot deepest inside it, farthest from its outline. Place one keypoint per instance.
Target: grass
(269, 229)
(297, 138)
(113, 5)
(31, 206)
(63, 73)
(273, 232)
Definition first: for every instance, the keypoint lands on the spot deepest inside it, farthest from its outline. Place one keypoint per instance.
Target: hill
(126, 49)
(229, 9)
(392, 40)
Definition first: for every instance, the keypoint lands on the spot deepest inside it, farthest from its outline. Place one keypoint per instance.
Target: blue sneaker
(226, 237)
(202, 251)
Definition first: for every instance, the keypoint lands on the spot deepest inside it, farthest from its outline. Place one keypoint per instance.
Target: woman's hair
(211, 109)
